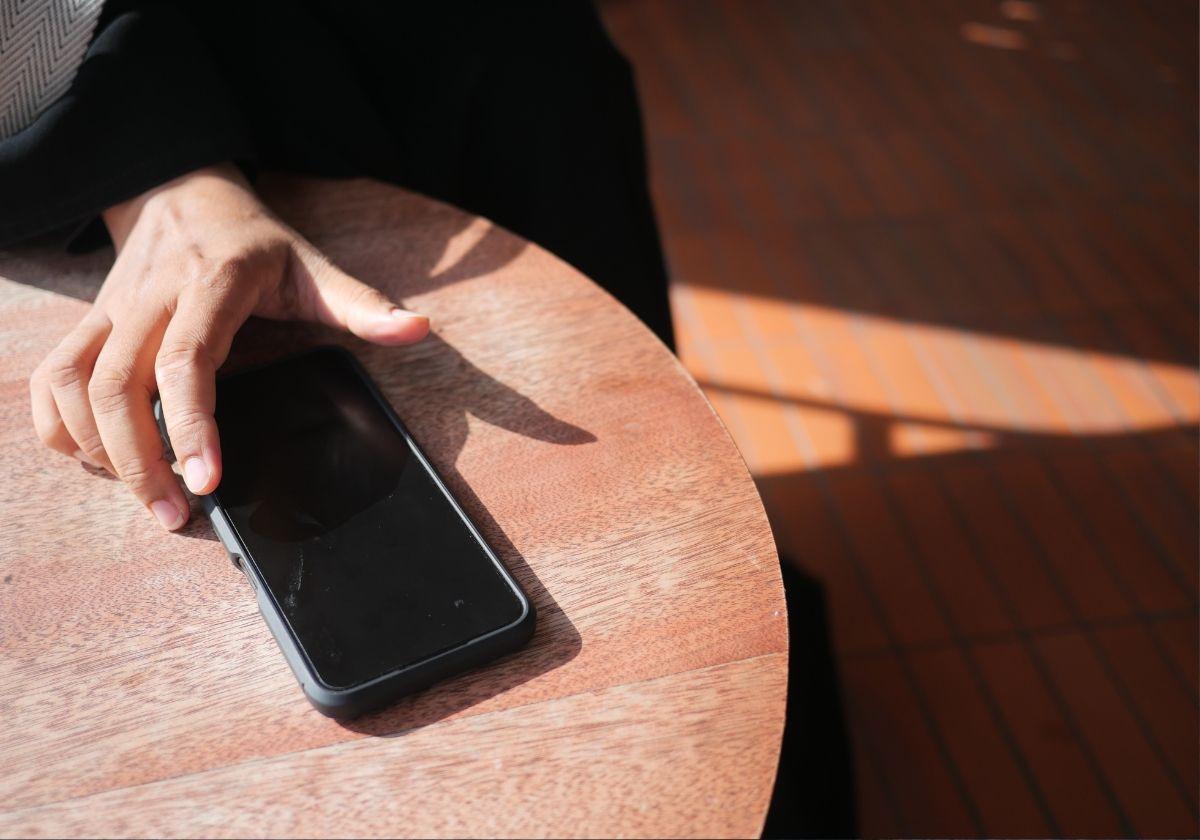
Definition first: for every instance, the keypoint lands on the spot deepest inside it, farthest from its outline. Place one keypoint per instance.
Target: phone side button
(242, 565)
(225, 535)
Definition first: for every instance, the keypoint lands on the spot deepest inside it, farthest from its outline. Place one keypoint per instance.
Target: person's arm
(196, 257)
(148, 103)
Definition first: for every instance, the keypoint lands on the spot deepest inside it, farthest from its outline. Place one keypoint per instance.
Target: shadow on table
(461, 389)
(436, 414)
(555, 642)
(433, 387)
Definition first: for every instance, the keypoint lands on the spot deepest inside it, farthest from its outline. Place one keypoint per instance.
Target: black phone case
(343, 703)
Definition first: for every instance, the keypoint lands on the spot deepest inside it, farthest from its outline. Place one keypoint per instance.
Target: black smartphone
(372, 578)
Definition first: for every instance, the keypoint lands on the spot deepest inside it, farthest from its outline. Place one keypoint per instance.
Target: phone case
(343, 703)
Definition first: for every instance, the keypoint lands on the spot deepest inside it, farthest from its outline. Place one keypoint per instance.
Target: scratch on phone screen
(294, 583)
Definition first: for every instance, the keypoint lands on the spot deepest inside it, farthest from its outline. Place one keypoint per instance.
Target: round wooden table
(142, 694)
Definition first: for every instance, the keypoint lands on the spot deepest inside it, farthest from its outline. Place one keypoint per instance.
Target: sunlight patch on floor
(803, 386)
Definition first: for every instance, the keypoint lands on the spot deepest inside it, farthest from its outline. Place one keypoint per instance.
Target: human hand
(196, 257)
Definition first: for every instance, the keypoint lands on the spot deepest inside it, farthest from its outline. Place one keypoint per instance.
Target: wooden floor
(935, 264)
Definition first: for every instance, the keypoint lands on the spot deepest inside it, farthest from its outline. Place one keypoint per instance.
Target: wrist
(120, 218)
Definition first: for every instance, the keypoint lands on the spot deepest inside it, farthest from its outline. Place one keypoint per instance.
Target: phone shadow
(432, 386)
(434, 389)
(437, 416)
(555, 642)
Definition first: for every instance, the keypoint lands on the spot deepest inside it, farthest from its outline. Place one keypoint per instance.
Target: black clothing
(814, 792)
(524, 113)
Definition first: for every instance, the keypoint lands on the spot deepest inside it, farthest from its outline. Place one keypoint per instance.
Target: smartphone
(371, 576)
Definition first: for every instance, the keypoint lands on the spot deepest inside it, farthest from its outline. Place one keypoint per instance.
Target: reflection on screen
(369, 563)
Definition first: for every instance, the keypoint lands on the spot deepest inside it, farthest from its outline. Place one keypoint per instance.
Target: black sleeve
(148, 104)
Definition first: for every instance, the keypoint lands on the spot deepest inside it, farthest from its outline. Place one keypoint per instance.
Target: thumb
(339, 300)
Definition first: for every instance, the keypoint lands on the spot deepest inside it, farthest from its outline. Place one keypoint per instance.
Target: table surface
(143, 694)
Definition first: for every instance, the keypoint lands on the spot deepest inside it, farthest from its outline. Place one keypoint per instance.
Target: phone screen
(368, 560)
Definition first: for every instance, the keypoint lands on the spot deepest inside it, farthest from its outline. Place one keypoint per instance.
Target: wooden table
(142, 694)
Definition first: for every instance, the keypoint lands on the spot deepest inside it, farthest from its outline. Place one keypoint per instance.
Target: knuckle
(87, 438)
(175, 362)
(231, 267)
(63, 370)
(91, 445)
(219, 275)
(137, 474)
(189, 425)
(109, 391)
(265, 254)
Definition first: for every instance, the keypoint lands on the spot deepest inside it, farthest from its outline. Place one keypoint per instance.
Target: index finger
(120, 394)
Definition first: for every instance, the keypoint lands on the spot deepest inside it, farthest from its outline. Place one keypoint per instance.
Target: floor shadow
(999, 539)
(959, 187)
(874, 437)
(942, 565)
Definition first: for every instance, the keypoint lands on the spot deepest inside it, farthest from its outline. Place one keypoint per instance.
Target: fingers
(92, 398)
(120, 395)
(62, 414)
(47, 421)
(195, 344)
(70, 370)
(337, 299)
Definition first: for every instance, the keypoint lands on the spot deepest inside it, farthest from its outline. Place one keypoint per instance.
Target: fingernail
(196, 473)
(404, 313)
(167, 514)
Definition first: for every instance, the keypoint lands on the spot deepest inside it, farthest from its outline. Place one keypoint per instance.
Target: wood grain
(143, 694)
(543, 775)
